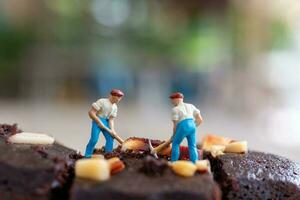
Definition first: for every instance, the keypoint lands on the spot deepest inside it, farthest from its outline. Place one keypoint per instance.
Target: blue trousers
(95, 136)
(185, 129)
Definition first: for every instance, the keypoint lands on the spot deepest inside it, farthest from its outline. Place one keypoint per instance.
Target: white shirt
(105, 109)
(184, 111)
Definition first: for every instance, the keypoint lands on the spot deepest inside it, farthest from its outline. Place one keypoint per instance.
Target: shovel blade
(151, 148)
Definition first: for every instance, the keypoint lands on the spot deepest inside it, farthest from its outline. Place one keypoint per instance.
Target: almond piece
(93, 169)
(217, 150)
(97, 156)
(134, 144)
(113, 160)
(237, 147)
(117, 167)
(31, 138)
(210, 140)
(184, 168)
(203, 166)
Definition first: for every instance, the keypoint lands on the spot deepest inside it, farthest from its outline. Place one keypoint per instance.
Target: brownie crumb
(7, 130)
(40, 150)
(75, 156)
(153, 167)
(112, 154)
(108, 155)
(61, 172)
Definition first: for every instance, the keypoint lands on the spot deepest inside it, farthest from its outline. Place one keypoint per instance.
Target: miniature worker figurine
(186, 117)
(103, 113)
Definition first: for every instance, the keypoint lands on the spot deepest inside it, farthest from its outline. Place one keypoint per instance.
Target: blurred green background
(238, 61)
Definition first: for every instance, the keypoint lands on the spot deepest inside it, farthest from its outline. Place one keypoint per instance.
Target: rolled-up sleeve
(98, 105)
(175, 114)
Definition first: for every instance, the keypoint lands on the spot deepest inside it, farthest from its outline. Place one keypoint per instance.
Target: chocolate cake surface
(33, 171)
(139, 183)
(144, 177)
(46, 172)
(256, 175)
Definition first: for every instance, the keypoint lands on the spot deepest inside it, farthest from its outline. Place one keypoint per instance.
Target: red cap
(176, 95)
(116, 92)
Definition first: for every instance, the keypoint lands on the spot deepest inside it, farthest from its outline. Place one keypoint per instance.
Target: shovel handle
(118, 138)
(163, 146)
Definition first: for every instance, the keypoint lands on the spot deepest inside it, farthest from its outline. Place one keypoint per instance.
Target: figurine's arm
(198, 119)
(114, 134)
(174, 127)
(93, 116)
(168, 142)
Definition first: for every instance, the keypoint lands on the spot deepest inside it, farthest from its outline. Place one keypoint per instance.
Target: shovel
(151, 148)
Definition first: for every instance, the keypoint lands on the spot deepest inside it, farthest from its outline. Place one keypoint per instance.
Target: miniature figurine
(186, 117)
(103, 113)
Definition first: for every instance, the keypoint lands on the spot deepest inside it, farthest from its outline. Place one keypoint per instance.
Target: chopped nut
(184, 168)
(210, 140)
(217, 150)
(113, 160)
(98, 156)
(93, 169)
(117, 167)
(203, 166)
(31, 138)
(237, 147)
(135, 144)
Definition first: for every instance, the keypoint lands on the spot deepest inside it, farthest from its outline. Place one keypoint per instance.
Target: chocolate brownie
(46, 172)
(256, 175)
(152, 181)
(33, 171)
